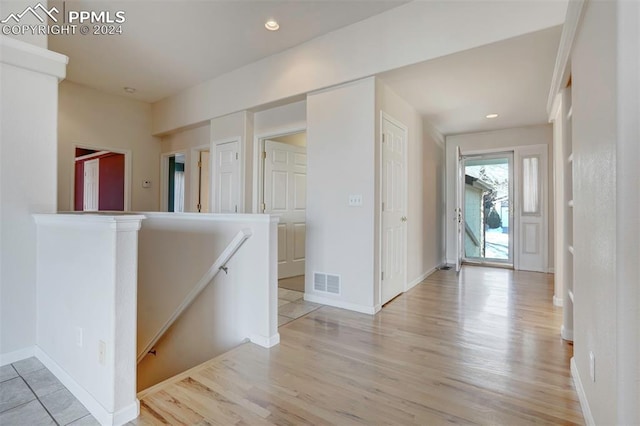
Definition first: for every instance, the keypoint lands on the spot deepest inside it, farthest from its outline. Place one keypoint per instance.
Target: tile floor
(292, 306)
(31, 395)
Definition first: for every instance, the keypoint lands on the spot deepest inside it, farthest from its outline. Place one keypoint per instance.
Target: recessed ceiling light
(272, 25)
(492, 115)
(129, 90)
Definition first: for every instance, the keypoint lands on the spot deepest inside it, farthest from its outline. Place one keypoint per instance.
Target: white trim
(582, 396)
(258, 164)
(561, 69)
(265, 342)
(215, 217)
(102, 149)
(89, 156)
(557, 301)
(28, 56)
(421, 278)
(89, 221)
(19, 355)
(371, 310)
(96, 409)
(551, 270)
(566, 334)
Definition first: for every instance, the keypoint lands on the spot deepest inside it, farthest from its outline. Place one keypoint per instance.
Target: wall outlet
(355, 200)
(146, 184)
(592, 366)
(102, 352)
(79, 339)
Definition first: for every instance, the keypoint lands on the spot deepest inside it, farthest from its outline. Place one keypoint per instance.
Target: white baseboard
(557, 301)
(420, 279)
(265, 342)
(96, 409)
(19, 355)
(582, 396)
(566, 334)
(371, 310)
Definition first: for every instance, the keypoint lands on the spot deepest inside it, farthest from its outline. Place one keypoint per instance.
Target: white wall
(402, 36)
(28, 119)
(185, 141)
(18, 6)
(86, 294)
(341, 136)
(605, 93)
(498, 139)
(91, 118)
(425, 250)
(281, 119)
(176, 250)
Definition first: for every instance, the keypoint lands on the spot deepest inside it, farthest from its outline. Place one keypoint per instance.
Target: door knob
(403, 219)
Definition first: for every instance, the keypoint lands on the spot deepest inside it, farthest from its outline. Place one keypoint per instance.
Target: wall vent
(326, 283)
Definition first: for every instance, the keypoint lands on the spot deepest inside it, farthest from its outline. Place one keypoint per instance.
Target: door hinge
(383, 138)
(264, 207)
(382, 206)
(200, 164)
(199, 207)
(236, 209)
(264, 155)
(382, 276)
(236, 155)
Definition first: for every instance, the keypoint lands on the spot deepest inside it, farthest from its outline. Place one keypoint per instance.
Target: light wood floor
(481, 348)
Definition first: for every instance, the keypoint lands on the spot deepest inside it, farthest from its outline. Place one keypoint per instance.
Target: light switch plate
(355, 200)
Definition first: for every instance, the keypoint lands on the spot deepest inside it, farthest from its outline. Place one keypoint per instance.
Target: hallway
(481, 348)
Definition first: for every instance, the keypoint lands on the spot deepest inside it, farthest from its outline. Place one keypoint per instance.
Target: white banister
(219, 264)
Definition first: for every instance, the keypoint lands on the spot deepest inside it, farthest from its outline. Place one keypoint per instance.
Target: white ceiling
(167, 46)
(511, 78)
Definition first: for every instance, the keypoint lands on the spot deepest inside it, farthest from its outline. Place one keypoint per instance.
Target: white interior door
(532, 172)
(285, 195)
(204, 182)
(458, 212)
(226, 180)
(91, 186)
(394, 221)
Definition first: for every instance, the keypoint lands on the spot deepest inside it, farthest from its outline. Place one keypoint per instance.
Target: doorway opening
(284, 194)
(487, 208)
(175, 183)
(100, 180)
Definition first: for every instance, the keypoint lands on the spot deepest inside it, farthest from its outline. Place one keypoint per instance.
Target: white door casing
(285, 193)
(204, 204)
(531, 208)
(394, 220)
(226, 181)
(458, 218)
(91, 186)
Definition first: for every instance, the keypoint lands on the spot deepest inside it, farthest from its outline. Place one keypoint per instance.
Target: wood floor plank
(479, 347)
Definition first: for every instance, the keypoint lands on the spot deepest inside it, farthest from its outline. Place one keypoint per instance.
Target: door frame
(510, 262)
(194, 176)
(380, 260)
(213, 169)
(164, 177)
(127, 172)
(258, 164)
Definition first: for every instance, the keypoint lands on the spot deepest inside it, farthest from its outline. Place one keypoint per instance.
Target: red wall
(79, 187)
(111, 182)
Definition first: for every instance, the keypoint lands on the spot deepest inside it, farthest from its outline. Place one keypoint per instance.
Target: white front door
(532, 172)
(394, 239)
(91, 188)
(226, 178)
(285, 195)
